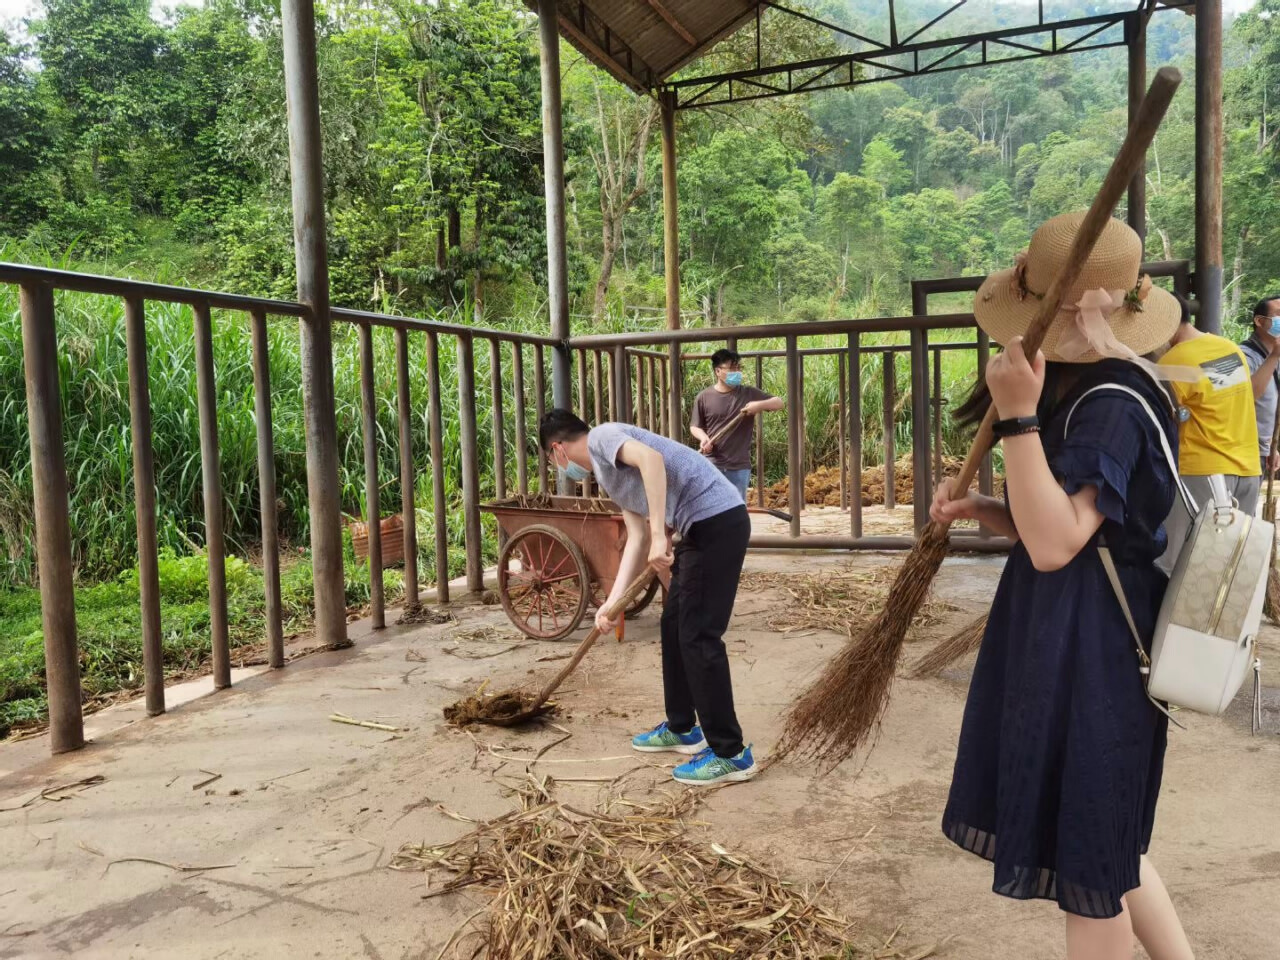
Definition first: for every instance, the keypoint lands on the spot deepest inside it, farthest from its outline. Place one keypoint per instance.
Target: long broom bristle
(844, 706)
(951, 649)
(1271, 604)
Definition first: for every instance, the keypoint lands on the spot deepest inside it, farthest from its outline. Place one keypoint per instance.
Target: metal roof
(643, 42)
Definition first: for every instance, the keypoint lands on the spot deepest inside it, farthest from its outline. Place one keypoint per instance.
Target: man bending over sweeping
(661, 484)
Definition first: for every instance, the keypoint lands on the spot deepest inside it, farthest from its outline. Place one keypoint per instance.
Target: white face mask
(573, 471)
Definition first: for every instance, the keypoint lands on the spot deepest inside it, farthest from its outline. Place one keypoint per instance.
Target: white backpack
(1206, 632)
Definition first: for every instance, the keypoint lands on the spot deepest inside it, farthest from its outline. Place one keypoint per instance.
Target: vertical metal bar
(675, 408)
(805, 466)
(655, 397)
(435, 419)
(890, 388)
(855, 434)
(553, 180)
(920, 453)
(986, 481)
(408, 509)
(307, 178)
(499, 426)
(144, 503)
(267, 488)
(470, 462)
(539, 411)
(670, 213)
(760, 465)
(522, 438)
(840, 423)
(614, 405)
(795, 439)
(665, 398)
(623, 367)
(937, 419)
(372, 509)
(211, 470)
(53, 525)
(597, 384)
(1137, 213)
(1209, 164)
(642, 392)
(585, 486)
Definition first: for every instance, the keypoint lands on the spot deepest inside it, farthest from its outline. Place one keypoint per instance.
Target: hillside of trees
(148, 146)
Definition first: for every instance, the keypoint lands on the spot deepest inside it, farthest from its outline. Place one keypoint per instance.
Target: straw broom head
(968, 639)
(843, 708)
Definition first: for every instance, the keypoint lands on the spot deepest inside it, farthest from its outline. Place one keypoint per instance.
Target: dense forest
(144, 143)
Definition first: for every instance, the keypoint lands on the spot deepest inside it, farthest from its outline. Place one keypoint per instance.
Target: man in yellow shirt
(1217, 429)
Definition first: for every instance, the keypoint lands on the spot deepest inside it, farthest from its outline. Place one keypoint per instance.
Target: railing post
(540, 410)
(408, 509)
(144, 503)
(310, 249)
(522, 438)
(585, 486)
(938, 468)
(211, 470)
(795, 439)
(1208, 164)
(614, 405)
(760, 474)
(840, 424)
(499, 439)
(920, 427)
(372, 494)
(622, 365)
(470, 462)
(267, 488)
(435, 419)
(1136, 30)
(855, 434)
(675, 409)
(889, 391)
(53, 526)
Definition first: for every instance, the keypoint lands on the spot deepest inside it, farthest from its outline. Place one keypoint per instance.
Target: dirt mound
(822, 486)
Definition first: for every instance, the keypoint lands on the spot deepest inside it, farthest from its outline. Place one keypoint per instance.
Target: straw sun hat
(1133, 314)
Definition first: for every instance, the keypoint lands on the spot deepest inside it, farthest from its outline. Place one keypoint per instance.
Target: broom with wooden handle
(843, 707)
(948, 651)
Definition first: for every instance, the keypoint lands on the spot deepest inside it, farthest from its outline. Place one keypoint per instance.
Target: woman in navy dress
(1060, 756)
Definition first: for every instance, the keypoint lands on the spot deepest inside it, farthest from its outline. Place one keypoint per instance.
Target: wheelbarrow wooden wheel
(543, 582)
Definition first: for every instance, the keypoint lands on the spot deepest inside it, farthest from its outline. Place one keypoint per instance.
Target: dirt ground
(292, 840)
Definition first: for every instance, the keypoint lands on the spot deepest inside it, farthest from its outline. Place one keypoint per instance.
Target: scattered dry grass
(627, 883)
(845, 601)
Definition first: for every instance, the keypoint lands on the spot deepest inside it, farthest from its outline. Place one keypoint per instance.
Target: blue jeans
(740, 479)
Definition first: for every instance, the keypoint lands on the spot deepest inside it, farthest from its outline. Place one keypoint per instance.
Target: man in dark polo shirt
(720, 403)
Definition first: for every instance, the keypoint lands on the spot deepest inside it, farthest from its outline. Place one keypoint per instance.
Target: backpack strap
(1187, 499)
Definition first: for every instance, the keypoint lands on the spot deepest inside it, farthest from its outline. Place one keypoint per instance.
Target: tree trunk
(478, 291)
(609, 254)
(442, 260)
(1164, 240)
(1237, 269)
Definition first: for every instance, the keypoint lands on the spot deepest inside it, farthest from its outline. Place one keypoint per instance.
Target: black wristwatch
(1015, 426)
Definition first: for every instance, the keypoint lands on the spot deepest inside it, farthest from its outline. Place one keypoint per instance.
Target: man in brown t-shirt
(720, 403)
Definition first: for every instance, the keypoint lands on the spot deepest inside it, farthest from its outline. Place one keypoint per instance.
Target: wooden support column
(1136, 28)
(795, 435)
(553, 179)
(671, 260)
(311, 255)
(1209, 164)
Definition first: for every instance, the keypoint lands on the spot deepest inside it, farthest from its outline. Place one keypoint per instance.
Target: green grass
(107, 626)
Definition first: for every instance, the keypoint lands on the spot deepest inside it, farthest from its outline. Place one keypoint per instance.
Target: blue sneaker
(662, 739)
(706, 768)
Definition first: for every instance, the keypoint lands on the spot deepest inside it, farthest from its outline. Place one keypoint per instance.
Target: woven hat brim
(1002, 316)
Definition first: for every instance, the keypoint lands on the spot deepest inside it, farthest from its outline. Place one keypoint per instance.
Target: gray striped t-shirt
(696, 490)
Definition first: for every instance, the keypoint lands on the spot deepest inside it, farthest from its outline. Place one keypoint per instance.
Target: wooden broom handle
(724, 431)
(614, 611)
(1132, 155)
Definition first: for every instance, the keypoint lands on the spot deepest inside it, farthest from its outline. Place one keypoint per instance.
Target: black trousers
(695, 666)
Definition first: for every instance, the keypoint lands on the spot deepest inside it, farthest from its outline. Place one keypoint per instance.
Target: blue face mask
(575, 473)
(1275, 326)
(733, 379)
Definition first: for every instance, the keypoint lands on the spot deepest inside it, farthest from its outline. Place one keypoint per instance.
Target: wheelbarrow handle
(613, 611)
